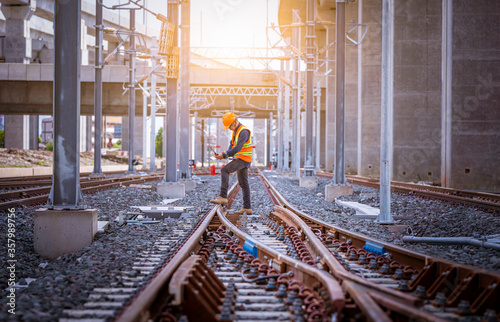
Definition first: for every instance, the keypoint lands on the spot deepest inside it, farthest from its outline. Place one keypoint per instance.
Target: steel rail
(23, 197)
(483, 200)
(332, 285)
(400, 254)
(431, 268)
(141, 306)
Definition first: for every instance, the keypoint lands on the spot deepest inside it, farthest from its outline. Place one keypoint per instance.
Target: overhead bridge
(27, 89)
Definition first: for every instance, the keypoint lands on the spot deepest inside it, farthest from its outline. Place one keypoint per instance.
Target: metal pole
(386, 125)
(280, 119)
(271, 145)
(66, 192)
(359, 153)
(446, 98)
(152, 151)
(171, 131)
(296, 98)
(310, 55)
(318, 125)
(131, 95)
(340, 97)
(330, 102)
(185, 88)
(217, 139)
(144, 127)
(195, 140)
(98, 89)
(202, 143)
(286, 128)
(209, 140)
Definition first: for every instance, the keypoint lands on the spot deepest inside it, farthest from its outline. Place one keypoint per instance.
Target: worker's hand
(219, 156)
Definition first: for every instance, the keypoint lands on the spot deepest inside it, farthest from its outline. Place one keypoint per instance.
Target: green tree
(2, 139)
(159, 143)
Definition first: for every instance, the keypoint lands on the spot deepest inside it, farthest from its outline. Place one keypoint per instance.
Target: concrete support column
(286, 119)
(17, 41)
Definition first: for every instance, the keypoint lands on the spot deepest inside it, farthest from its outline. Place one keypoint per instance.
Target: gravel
(427, 218)
(66, 282)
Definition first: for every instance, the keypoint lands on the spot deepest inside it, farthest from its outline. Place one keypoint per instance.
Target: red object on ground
(269, 167)
(212, 170)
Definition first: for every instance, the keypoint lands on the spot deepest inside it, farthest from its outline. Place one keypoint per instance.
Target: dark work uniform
(238, 165)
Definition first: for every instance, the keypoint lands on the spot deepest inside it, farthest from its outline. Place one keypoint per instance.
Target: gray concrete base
(292, 176)
(189, 184)
(333, 191)
(308, 182)
(59, 232)
(171, 190)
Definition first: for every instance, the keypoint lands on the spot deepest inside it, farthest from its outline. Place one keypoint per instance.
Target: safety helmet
(228, 119)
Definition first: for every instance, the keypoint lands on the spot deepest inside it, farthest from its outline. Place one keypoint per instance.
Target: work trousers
(238, 166)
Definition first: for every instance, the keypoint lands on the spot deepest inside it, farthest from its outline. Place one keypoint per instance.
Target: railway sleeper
(242, 296)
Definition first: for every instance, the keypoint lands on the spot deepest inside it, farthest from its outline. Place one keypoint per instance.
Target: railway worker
(240, 148)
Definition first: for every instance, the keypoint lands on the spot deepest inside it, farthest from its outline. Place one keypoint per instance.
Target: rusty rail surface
(481, 200)
(472, 291)
(149, 302)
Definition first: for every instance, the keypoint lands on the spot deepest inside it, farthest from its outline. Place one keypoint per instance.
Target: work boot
(219, 200)
(243, 210)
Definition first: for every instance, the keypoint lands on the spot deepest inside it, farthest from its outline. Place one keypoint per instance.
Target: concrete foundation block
(333, 191)
(308, 182)
(292, 176)
(59, 232)
(190, 185)
(171, 190)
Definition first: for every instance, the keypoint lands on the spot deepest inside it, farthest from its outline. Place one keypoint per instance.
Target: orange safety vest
(245, 153)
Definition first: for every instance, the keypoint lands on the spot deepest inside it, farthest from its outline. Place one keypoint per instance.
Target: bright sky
(224, 23)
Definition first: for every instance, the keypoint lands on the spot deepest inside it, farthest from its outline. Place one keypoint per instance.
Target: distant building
(47, 130)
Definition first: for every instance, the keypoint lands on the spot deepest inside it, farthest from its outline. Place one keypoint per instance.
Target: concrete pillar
(17, 41)
(21, 132)
(33, 136)
(83, 37)
(16, 132)
(137, 137)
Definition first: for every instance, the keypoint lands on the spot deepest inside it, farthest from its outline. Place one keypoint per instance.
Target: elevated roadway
(27, 89)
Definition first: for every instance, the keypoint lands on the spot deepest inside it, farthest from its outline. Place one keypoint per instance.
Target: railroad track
(39, 195)
(232, 267)
(482, 200)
